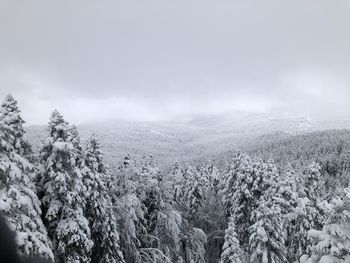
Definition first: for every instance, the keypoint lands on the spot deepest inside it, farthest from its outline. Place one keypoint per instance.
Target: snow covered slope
(192, 138)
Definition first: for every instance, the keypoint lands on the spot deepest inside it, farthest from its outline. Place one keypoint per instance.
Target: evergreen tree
(194, 192)
(12, 128)
(211, 218)
(242, 186)
(332, 243)
(18, 198)
(98, 208)
(231, 251)
(259, 201)
(267, 240)
(310, 211)
(62, 193)
(314, 188)
(163, 222)
(193, 245)
(129, 210)
(177, 183)
(149, 191)
(212, 175)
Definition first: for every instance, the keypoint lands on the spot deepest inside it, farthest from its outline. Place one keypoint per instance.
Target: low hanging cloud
(153, 60)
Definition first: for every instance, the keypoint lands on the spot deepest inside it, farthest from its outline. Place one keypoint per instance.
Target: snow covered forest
(66, 204)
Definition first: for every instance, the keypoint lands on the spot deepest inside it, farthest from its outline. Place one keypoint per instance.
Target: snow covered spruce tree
(286, 198)
(18, 198)
(194, 239)
(259, 201)
(160, 241)
(212, 175)
(98, 208)
(149, 225)
(193, 245)
(310, 212)
(150, 195)
(332, 243)
(210, 217)
(267, 239)
(176, 180)
(315, 190)
(195, 190)
(128, 209)
(231, 251)
(62, 193)
(241, 188)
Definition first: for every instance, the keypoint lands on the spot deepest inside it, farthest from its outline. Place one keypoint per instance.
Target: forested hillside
(196, 138)
(67, 205)
(299, 149)
(329, 148)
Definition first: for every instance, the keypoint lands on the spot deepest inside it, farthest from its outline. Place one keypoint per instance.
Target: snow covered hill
(198, 137)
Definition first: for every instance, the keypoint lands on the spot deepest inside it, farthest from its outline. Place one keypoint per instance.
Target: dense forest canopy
(286, 200)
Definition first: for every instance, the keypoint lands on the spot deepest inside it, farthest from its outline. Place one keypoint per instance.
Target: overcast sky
(151, 60)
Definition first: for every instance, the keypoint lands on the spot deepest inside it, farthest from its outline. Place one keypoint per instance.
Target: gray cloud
(99, 60)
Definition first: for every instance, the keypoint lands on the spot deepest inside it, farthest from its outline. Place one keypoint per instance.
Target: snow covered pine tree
(258, 200)
(268, 238)
(18, 198)
(231, 251)
(332, 243)
(62, 196)
(310, 210)
(128, 209)
(98, 208)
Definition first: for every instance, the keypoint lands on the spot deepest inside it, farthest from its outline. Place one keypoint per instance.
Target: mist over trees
(66, 204)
